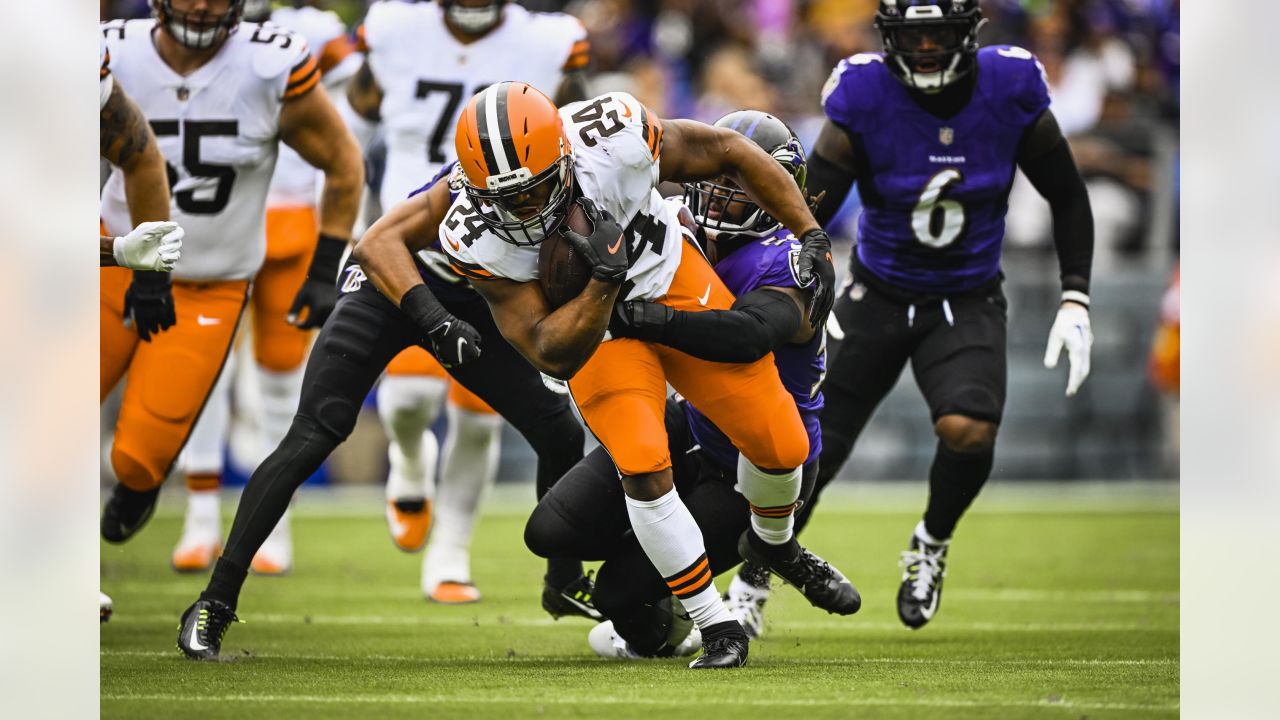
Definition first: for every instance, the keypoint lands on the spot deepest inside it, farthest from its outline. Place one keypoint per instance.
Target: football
(561, 268)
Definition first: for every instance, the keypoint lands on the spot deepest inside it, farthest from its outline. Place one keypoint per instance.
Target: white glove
(1071, 330)
(152, 246)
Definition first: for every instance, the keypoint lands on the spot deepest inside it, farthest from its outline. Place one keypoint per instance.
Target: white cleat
(275, 557)
(746, 604)
(104, 607)
(201, 541)
(607, 643)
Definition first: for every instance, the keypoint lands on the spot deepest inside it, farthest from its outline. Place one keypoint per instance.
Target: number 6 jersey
(218, 129)
(935, 190)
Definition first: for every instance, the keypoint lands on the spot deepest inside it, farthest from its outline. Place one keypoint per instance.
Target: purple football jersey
(934, 205)
(770, 262)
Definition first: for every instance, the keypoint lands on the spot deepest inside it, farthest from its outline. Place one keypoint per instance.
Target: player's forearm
(770, 187)
(386, 260)
(340, 199)
(1056, 178)
(566, 339)
(106, 251)
(760, 322)
(146, 187)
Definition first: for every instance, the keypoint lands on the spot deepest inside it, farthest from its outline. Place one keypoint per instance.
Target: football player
(932, 130)
(584, 516)
(421, 61)
(127, 143)
(279, 342)
(523, 162)
(219, 96)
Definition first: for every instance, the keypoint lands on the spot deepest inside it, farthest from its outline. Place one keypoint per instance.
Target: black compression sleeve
(825, 175)
(759, 321)
(1046, 160)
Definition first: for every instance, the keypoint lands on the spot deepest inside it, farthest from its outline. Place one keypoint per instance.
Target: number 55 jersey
(934, 207)
(219, 131)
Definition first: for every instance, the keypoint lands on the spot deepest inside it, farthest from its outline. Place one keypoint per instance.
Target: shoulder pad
(1018, 79)
(275, 49)
(852, 88)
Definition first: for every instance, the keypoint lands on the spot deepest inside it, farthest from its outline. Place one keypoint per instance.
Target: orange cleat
(409, 520)
(455, 593)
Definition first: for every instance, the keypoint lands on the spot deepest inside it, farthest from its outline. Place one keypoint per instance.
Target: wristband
(1075, 296)
(423, 308)
(117, 250)
(329, 250)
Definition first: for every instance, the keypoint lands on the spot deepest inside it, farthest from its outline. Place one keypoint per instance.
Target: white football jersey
(616, 148)
(296, 182)
(219, 130)
(427, 76)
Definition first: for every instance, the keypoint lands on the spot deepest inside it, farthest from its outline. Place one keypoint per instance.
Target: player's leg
(170, 379)
(468, 468)
(505, 381)
(279, 349)
(361, 336)
(960, 367)
(201, 462)
(409, 400)
(621, 393)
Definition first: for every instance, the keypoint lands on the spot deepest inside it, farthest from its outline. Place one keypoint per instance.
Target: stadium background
(1113, 67)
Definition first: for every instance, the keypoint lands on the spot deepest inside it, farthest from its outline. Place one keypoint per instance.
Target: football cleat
(572, 599)
(822, 585)
(409, 520)
(747, 594)
(454, 593)
(924, 566)
(126, 512)
(104, 607)
(724, 645)
(275, 557)
(201, 541)
(606, 642)
(202, 627)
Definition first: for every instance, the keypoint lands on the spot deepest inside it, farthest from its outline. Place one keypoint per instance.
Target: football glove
(1071, 331)
(605, 250)
(814, 268)
(319, 291)
(640, 320)
(154, 246)
(453, 341)
(148, 304)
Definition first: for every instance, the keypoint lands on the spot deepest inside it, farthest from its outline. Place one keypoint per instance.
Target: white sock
(922, 533)
(279, 403)
(408, 405)
(467, 471)
(672, 541)
(772, 498)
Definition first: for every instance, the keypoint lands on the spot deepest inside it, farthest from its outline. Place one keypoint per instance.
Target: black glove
(640, 320)
(605, 249)
(453, 341)
(319, 291)
(148, 303)
(814, 264)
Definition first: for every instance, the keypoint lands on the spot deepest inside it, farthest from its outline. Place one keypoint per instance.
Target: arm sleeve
(759, 321)
(825, 175)
(1046, 160)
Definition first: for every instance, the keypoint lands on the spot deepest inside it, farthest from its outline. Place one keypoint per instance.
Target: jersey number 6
(937, 222)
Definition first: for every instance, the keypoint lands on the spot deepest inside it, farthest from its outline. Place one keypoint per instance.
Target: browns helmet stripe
(494, 128)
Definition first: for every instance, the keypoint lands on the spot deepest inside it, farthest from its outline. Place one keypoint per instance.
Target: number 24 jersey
(218, 129)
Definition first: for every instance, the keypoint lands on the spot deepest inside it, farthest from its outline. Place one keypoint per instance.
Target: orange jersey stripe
(304, 86)
(473, 272)
(362, 44)
(106, 65)
(303, 70)
(334, 52)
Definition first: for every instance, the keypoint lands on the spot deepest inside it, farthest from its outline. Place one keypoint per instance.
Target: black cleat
(822, 585)
(920, 594)
(572, 599)
(126, 512)
(201, 629)
(724, 645)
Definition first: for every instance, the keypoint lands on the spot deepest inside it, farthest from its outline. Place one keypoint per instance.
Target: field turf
(1060, 603)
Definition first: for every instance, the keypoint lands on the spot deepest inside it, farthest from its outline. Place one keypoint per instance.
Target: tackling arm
(127, 142)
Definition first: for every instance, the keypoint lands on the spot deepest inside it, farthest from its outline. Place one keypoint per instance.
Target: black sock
(226, 582)
(785, 551)
(562, 571)
(954, 481)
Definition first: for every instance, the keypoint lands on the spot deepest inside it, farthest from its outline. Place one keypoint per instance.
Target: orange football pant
(417, 361)
(291, 242)
(622, 390)
(170, 377)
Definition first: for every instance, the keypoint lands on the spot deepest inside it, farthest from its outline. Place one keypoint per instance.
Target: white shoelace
(928, 567)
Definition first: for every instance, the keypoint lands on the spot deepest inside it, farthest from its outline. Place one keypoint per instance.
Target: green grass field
(1056, 606)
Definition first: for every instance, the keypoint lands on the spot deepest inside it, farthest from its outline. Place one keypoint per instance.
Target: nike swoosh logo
(453, 244)
(202, 320)
(461, 342)
(705, 296)
(626, 110)
(194, 640)
(613, 249)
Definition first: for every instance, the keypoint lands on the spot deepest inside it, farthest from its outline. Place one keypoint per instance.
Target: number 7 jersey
(935, 191)
(218, 129)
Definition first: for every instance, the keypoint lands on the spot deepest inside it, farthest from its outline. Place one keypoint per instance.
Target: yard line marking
(609, 700)
(423, 660)
(417, 620)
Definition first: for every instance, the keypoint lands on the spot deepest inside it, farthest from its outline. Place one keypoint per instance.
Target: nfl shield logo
(946, 136)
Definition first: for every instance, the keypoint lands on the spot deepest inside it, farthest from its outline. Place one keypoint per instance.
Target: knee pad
(135, 471)
(281, 349)
(541, 530)
(769, 493)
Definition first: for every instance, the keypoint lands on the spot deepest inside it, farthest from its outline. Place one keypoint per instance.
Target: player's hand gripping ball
(587, 244)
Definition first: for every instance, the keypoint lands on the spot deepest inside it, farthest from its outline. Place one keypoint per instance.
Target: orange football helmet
(516, 160)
